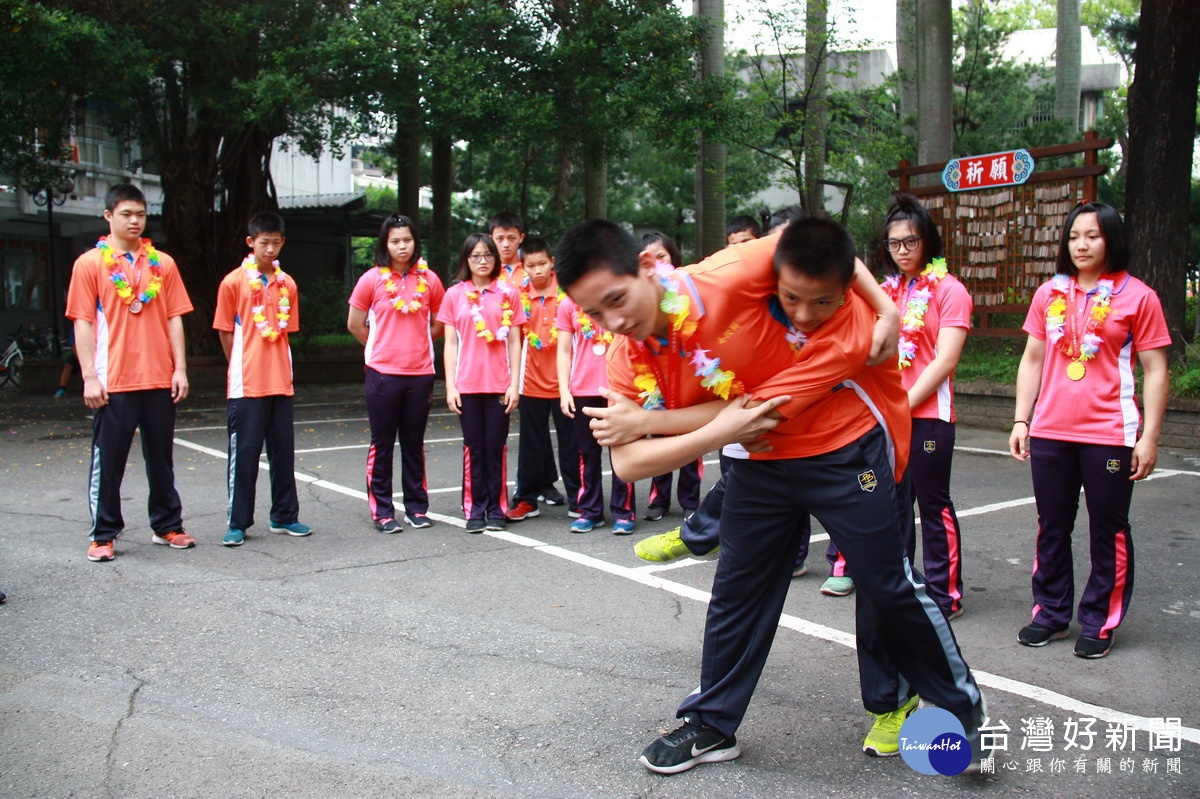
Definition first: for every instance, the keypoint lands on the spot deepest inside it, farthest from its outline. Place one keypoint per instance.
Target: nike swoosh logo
(696, 752)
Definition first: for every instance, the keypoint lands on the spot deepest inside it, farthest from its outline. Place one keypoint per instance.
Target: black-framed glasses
(909, 243)
(481, 257)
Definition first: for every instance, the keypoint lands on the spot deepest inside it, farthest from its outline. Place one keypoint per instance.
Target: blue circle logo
(933, 741)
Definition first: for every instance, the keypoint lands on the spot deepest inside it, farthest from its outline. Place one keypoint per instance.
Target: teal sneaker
(838, 586)
(586, 525)
(622, 526)
(234, 537)
(800, 570)
(884, 738)
(295, 528)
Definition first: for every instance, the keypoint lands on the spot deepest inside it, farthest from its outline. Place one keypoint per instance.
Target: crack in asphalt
(113, 741)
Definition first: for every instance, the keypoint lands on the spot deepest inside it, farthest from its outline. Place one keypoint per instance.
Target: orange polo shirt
(836, 398)
(133, 351)
(539, 365)
(258, 367)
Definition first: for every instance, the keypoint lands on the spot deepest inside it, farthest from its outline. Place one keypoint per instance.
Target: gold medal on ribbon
(1076, 370)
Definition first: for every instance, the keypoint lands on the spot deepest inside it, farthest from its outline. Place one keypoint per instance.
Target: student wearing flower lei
(257, 310)
(393, 311)
(824, 433)
(1085, 326)
(508, 231)
(536, 472)
(699, 532)
(127, 302)
(665, 250)
(935, 315)
(582, 349)
(482, 317)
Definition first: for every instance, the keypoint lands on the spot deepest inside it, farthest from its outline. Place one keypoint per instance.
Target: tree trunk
(440, 244)
(935, 83)
(906, 63)
(408, 166)
(816, 50)
(1067, 64)
(1162, 131)
(595, 185)
(710, 177)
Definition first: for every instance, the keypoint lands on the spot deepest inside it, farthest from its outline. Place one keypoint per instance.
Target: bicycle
(11, 362)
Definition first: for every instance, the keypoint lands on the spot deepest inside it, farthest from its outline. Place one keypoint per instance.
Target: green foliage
(323, 311)
(995, 96)
(42, 82)
(990, 360)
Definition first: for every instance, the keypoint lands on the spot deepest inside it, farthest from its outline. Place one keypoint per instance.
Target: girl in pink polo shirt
(664, 248)
(392, 312)
(481, 351)
(935, 315)
(1085, 328)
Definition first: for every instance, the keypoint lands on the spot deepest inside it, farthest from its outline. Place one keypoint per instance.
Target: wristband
(1020, 421)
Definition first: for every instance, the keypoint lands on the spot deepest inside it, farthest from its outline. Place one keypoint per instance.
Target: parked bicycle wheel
(11, 368)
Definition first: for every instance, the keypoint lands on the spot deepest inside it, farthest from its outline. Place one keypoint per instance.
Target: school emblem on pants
(1113, 465)
(867, 481)
(930, 446)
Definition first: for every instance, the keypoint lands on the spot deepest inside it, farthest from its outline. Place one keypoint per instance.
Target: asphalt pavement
(528, 663)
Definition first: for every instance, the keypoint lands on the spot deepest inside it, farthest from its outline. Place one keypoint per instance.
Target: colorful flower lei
(1086, 346)
(254, 279)
(481, 328)
(393, 291)
(118, 278)
(677, 306)
(589, 331)
(913, 318)
(536, 341)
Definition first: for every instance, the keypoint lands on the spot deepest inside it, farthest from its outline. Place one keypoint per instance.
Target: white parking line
(644, 576)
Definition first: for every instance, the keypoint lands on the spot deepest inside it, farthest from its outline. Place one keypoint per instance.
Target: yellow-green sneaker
(884, 738)
(663, 547)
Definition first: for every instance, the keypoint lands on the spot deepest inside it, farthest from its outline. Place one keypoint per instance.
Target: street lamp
(50, 196)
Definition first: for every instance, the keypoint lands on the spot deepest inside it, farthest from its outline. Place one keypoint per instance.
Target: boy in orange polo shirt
(536, 474)
(127, 301)
(508, 231)
(700, 349)
(257, 309)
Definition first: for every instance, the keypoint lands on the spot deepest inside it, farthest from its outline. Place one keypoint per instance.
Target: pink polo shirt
(950, 306)
(589, 373)
(398, 343)
(1100, 408)
(483, 366)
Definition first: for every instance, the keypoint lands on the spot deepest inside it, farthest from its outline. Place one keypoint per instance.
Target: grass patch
(990, 360)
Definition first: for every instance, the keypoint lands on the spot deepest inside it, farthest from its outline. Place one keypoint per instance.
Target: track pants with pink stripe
(1059, 469)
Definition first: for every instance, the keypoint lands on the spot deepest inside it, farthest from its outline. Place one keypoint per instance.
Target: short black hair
(907, 208)
(772, 220)
(1112, 228)
(595, 244)
(464, 256)
(382, 256)
(265, 222)
(536, 244)
(506, 219)
(817, 248)
(668, 244)
(123, 192)
(743, 222)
